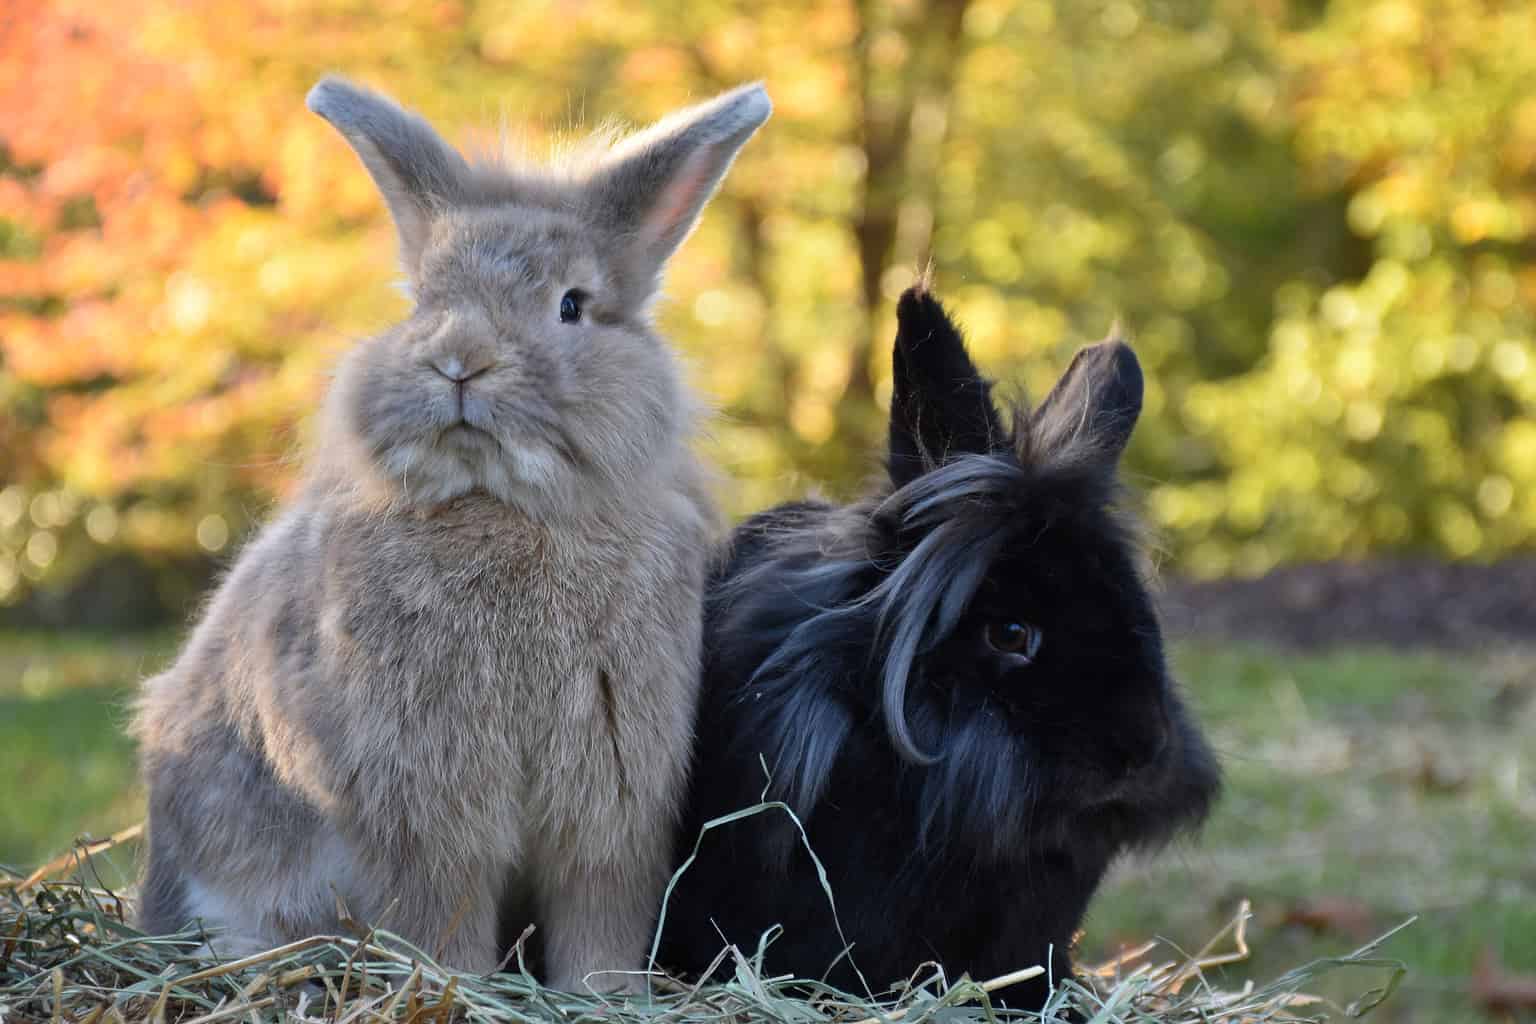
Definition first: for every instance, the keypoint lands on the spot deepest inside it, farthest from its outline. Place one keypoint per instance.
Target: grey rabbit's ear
(418, 173)
(651, 190)
(1090, 413)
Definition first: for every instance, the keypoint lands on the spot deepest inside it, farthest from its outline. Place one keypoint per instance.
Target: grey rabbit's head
(527, 368)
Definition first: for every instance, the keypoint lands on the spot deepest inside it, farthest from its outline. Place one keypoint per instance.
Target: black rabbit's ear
(1090, 413)
(418, 173)
(940, 405)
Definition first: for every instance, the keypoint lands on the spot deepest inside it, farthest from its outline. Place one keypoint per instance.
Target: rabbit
(957, 684)
(465, 656)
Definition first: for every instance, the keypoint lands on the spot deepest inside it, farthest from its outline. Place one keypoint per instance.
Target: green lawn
(66, 768)
(1374, 784)
(1370, 784)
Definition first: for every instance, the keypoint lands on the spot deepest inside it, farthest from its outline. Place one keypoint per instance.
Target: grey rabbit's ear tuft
(650, 192)
(418, 173)
(1090, 413)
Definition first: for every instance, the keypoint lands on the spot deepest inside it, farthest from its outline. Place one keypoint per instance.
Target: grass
(66, 766)
(1363, 787)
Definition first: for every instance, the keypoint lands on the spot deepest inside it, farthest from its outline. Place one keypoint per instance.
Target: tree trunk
(894, 172)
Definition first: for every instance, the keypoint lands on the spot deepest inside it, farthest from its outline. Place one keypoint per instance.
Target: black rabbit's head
(1038, 625)
(995, 592)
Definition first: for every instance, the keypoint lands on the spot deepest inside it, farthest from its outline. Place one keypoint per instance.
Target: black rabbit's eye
(570, 306)
(1007, 637)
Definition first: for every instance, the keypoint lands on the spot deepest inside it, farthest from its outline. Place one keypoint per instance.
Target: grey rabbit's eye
(570, 305)
(1016, 638)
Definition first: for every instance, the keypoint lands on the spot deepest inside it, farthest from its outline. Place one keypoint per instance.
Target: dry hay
(67, 953)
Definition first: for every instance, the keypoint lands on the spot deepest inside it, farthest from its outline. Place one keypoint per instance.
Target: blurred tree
(1395, 405)
(1316, 217)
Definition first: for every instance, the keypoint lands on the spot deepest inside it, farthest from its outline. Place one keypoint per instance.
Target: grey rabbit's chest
(474, 603)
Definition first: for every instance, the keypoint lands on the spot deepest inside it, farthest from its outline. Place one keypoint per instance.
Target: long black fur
(965, 805)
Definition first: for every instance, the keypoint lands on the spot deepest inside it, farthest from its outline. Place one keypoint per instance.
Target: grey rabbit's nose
(453, 368)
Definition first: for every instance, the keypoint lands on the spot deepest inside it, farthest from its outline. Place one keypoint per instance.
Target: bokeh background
(1316, 217)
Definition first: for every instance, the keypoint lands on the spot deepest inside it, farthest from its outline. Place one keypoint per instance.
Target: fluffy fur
(965, 800)
(464, 659)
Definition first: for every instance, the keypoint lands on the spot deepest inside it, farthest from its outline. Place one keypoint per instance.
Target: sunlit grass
(1370, 784)
(66, 767)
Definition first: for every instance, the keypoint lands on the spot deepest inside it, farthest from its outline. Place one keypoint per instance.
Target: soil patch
(1394, 603)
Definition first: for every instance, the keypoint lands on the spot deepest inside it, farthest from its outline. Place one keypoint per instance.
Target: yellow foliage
(1318, 227)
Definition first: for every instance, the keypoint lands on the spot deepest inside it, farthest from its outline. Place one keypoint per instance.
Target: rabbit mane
(892, 575)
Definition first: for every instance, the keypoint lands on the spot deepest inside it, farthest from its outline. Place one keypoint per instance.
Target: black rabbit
(957, 683)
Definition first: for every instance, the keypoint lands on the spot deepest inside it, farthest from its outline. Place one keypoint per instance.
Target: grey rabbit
(464, 658)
